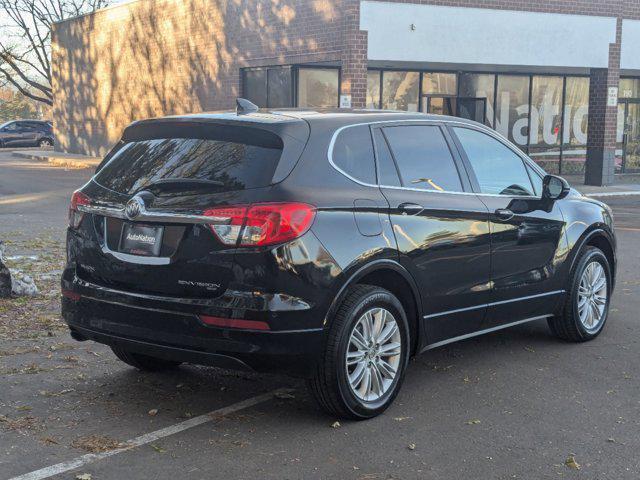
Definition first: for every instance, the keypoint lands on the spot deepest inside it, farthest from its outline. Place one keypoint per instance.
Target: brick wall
(158, 57)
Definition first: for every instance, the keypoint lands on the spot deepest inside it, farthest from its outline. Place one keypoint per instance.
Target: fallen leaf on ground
(571, 462)
(49, 440)
(96, 443)
(158, 448)
(473, 422)
(335, 424)
(46, 393)
(84, 476)
(153, 412)
(401, 419)
(411, 446)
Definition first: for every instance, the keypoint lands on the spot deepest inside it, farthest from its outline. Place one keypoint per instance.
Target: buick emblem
(134, 207)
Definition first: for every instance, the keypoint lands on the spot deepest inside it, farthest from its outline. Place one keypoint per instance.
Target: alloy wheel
(373, 355)
(592, 296)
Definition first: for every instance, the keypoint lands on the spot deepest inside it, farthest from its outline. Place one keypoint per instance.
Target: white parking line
(63, 467)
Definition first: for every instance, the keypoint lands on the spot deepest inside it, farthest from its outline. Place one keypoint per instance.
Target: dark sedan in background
(26, 133)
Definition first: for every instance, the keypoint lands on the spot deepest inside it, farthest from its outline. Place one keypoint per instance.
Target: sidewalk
(618, 189)
(59, 159)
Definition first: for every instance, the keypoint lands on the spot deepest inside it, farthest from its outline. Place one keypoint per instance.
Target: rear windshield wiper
(177, 183)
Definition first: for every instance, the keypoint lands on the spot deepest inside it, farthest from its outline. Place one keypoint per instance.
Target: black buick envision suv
(329, 245)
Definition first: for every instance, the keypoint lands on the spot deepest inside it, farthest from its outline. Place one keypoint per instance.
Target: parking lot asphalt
(512, 404)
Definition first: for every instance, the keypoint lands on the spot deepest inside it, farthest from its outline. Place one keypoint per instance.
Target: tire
(143, 362)
(45, 142)
(568, 325)
(330, 384)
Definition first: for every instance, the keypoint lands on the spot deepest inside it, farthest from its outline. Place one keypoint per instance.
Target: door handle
(410, 208)
(504, 214)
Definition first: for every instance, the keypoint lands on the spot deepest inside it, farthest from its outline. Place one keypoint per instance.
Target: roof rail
(244, 106)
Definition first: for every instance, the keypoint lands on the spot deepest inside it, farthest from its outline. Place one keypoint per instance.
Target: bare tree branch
(25, 42)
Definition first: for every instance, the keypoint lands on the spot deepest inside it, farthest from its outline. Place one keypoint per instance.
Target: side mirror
(554, 188)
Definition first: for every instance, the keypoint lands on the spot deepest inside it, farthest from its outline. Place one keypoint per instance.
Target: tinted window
(353, 153)
(26, 126)
(229, 165)
(387, 173)
(279, 88)
(255, 87)
(423, 158)
(11, 126)
(498, 169)
(268, 87)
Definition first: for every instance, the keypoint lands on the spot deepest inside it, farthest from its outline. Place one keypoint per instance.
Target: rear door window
(353, 153)
(223, 164)
(423, 158)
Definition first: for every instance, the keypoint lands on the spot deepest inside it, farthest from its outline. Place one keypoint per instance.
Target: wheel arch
(601, 239)
(392, 276)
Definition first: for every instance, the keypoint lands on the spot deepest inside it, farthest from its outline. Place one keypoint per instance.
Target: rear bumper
(183, 337)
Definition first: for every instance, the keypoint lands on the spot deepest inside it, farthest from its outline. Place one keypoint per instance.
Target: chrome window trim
(501, 302)
(480, 128)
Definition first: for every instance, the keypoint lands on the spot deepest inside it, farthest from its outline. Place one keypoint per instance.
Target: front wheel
(587, 305)
(365, 357)
(45, 143)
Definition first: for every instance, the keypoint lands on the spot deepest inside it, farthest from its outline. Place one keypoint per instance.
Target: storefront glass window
(576, 114)
(255, 86)
(439, 84)
(512, 108)
(318, 87)
(629, 88)
(400, 90)
(546, 120)
(373, 89)
(268, 87)
(478, 86)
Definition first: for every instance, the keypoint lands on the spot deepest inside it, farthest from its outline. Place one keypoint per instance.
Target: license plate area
(141, 239)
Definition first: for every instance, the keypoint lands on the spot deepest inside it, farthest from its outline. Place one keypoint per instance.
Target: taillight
(261, 224)
(75, 217)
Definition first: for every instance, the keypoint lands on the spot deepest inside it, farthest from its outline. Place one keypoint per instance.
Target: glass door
(472, 108)
(439, 104)
(631, 138)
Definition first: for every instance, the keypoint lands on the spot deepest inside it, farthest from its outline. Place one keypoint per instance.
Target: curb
(613, 194)
(60, 160)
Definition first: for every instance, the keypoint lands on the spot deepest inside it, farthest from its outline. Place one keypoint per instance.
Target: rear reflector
(261, 224)
(71, 295)
(234, 323)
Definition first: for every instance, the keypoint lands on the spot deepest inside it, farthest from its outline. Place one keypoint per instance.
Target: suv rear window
(227, 163)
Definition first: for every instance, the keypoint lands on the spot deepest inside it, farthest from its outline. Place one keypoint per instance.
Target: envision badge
(134, 207)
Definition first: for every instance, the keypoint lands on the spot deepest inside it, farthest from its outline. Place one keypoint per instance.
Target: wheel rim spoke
(373, 356)
(355, 357)
(390, 349)
(592, 296)
(386, 369)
